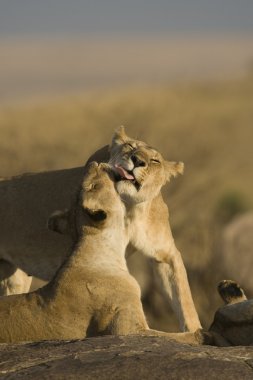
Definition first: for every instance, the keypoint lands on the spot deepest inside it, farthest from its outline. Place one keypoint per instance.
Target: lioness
(92, 292)
(93, 286)
(26, 202)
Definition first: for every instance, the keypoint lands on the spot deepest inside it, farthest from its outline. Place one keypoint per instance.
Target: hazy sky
(105, 43)
(31, 17)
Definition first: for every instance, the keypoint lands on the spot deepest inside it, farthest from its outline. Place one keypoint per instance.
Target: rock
(234, 321)
(129, 357)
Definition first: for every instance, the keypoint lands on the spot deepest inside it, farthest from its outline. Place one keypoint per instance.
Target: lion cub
(92, 292)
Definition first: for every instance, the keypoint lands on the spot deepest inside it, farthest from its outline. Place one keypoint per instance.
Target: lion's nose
(137, 161)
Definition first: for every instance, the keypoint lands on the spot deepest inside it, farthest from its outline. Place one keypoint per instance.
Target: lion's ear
(172, 169)
(96, 215)
(59, 221)
(119, 136)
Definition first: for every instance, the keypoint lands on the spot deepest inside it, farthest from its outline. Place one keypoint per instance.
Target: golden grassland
(208, 126)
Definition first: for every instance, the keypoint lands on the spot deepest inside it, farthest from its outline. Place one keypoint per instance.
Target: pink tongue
(123, 173)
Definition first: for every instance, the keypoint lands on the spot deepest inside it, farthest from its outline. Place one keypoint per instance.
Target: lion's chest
(138, 234)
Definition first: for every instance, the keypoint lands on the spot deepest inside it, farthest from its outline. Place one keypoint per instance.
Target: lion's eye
(155, 161)
(130, 146)
(90, 187)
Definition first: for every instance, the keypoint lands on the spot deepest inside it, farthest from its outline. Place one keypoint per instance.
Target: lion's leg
(172, 274)
(13, 280)
(198, 337)
(129, 319)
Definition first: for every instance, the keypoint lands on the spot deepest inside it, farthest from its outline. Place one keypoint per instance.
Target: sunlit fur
(92, 293)
(40, 252)
(154, 173)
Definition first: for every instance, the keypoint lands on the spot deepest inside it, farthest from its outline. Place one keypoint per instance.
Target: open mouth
(123, 174)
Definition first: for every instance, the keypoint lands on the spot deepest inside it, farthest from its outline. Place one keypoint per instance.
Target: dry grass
(208, 126)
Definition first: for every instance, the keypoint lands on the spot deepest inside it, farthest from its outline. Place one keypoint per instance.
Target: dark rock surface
(132, 357)
(235, 323)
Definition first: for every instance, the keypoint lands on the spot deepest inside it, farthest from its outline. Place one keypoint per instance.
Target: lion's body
(26, 203)
(28, 200)
(65, 308)
(93, 289)
(25, 240)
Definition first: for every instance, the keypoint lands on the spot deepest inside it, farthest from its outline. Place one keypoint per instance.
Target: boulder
(233, 322)
(129, 357)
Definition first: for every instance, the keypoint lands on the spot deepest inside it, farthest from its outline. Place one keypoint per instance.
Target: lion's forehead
(145, 148)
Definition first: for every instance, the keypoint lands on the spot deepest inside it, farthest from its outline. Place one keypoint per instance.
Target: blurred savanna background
(178, 75)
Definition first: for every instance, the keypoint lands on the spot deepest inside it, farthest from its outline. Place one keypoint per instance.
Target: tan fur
(40, 253)
(147, 221)
(26, 202)
(92, 293)
(13, 278)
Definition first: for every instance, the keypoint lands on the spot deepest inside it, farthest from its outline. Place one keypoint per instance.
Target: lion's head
(98, 198)
(141, 170)
(97, 204)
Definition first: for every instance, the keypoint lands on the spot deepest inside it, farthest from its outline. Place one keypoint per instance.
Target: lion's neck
(138, 224)
(134, 215)
(137, 209)
(96, 251)
(105, 248)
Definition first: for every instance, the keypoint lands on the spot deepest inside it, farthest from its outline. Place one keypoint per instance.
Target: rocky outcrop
(234, 324)
(131, 357)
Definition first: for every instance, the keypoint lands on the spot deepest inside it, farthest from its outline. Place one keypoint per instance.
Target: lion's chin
(126, 190)
(125, 178)
(126, 187)
(129, 194)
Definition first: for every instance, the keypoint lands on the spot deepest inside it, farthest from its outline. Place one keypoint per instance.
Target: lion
(92, 293)
(28, 200)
